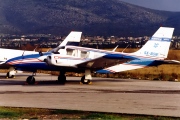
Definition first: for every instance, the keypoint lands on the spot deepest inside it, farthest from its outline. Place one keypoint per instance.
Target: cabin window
(78, 53)
(84, 54)
(69, 51)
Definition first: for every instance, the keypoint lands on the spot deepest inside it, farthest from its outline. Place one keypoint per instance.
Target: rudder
(157, 46)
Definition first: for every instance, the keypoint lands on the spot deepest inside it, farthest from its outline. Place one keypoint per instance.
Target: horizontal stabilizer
(171, 62)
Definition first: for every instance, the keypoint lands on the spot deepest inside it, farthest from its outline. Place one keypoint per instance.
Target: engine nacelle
(60, 60)
(49, 60)
(46, 59)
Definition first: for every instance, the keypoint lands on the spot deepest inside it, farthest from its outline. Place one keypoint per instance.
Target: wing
(171, 62)
(2, 62)
(105, 61)
(3, 65)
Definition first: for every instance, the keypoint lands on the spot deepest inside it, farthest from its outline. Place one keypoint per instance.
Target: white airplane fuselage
(6, 54)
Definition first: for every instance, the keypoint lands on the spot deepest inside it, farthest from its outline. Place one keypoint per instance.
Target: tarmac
(128, 96)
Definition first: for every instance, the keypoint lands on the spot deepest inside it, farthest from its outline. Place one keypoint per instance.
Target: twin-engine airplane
(74, 37)
(81, 59)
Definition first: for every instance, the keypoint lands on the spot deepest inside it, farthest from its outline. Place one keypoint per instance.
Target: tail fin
(73, 38)
(158, 45)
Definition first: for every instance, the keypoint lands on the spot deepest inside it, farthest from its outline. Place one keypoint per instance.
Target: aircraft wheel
(30, 80)
(62, 79)
(8, 75)
(85, 81)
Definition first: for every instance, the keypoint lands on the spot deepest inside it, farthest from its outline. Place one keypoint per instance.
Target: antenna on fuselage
(24, 51)
(48, 50)
(115, 48)
(35, 48)
(125, 48)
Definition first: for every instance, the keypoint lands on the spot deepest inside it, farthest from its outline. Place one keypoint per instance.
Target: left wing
(105, 61)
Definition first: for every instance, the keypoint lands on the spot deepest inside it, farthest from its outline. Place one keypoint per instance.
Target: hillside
(93, 17)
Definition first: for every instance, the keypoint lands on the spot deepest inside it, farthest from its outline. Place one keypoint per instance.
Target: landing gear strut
(31, 80)
(62, 77)
(86, 79)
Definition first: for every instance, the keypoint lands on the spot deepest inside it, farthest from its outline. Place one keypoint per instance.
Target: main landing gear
(86, 79)
(31, 80)
(62, 77)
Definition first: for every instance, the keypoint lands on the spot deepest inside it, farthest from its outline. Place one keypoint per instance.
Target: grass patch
(111, 116)
(9, 113)
(14, 113)
(34, 113)
(102, 116)
(66, 112)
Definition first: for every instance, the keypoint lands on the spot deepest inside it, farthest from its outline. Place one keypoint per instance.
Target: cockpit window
(57, 49)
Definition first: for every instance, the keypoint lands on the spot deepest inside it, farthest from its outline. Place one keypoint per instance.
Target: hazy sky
(167, 5)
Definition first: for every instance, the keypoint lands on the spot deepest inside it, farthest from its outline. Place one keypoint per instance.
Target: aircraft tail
(155, 49)
(157, 46)
(73, 38)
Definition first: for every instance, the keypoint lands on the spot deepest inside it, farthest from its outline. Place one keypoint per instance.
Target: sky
(167, 5)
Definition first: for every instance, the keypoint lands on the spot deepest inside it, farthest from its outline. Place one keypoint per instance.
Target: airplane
(6, 54)
(88, 60)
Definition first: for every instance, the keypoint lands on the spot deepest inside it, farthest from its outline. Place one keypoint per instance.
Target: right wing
(105, 61)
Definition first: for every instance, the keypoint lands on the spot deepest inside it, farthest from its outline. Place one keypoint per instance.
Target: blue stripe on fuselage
(119, 56)
(27, 57)
(35, 66)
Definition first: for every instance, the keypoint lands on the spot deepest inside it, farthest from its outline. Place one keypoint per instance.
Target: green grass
(98, 116)
(9, 113)
(14, 113)
(59, 111)
(35, 113)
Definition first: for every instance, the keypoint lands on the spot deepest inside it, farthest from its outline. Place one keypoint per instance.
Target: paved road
(105, 95)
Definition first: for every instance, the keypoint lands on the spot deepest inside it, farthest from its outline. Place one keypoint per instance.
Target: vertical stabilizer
(158, 45)
(73, 38)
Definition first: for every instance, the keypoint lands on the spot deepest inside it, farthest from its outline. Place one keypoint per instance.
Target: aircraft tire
(30, 80)
(9, 75)
(62, 79)
(85, 81)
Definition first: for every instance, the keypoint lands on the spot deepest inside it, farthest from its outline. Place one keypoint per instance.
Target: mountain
(92, 17)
